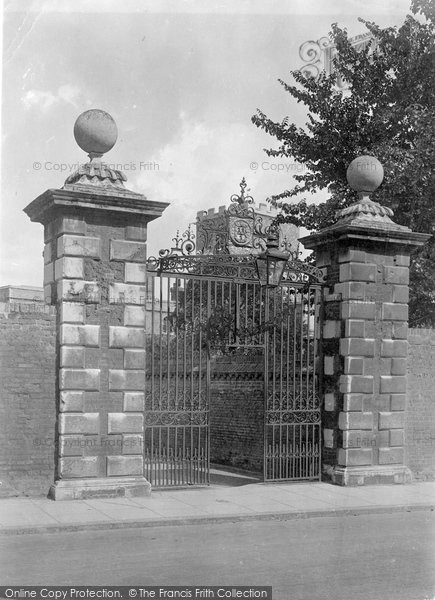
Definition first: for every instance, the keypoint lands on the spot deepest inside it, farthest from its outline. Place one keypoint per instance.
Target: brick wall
(420, 412)
(237, 413)
(27, 398)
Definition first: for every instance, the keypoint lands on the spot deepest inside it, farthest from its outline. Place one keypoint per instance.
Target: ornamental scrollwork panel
(287, 417)
(173, 418)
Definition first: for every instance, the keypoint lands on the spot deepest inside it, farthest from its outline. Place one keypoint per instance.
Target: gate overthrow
(198, 306)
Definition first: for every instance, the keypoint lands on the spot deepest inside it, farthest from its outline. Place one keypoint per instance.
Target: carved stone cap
(97, 173)
(85, 198)
(365, 219)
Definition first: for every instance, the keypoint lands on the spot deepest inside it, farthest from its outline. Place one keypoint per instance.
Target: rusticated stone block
(353, 457)
(355, 420)
(75, 225)
(79, 467)
(128, 251)
(79, 379)
(72, 356)
(397, 437)
(392, 420)
(93, 358)
(134, 401)
(358, 439)
(353, 366)
(354, 271)
(398, 366)
(125, 423)
(377, 402)
(72, 312)
(79, 335)
(402, 260)
(394, 312)
(352, 290)
(134, 316)
(76, 245)
(397, 275)
(400, 331)
(71, 401)
(48, 273)
(328, 365)
(126, 337)
(132, 444)
(357, 347)
(70, 267)
(354, 329)
(349, 254)
(353, 309)
(71, 445)
(120, 380)
(135, 273)
(391, 456)
(124, 465)
(134, 359)
(398, 401)
(379, 292)
(394, 348)
(383, 366)
(359, 384)
(47, 253)
(331, 329)
(136, 232)
(401, 294)
(369, 366)
(393, 384)
(77, 290)
(328, 438)
(353, 402)
(48, 294)
(84, 423)
(48, 231)
(330, 401)
(124, 293)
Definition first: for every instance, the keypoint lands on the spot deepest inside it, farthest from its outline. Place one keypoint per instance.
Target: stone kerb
(365, 257)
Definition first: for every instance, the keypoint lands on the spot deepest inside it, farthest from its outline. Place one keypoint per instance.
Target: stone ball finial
(365, 174)
(95, 132)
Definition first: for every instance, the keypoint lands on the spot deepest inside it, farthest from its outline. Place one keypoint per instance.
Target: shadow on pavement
(227, 478)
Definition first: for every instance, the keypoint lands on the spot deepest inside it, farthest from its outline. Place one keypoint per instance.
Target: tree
(389, 113)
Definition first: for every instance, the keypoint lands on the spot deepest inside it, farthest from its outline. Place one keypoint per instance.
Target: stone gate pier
(365, 256)
(95, 233)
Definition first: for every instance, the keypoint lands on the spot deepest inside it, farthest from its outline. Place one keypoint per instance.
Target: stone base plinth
(353, 476)
(105, 487)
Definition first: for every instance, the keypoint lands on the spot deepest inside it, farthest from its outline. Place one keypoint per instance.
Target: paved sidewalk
(245, 499)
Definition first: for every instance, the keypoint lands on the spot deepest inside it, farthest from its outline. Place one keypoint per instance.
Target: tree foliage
(388, 112)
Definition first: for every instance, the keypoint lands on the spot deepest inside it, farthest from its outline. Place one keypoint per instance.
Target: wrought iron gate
(177, 375)
(200, 305)
(292, 435)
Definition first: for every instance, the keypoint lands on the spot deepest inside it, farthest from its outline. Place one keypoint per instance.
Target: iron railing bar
(153, 291)
(294, 347)
(168, 377)
(176, 333)
(266, 387)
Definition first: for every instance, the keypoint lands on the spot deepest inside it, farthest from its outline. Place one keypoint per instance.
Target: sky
(181, 79)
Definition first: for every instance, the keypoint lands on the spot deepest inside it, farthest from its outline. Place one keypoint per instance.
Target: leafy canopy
(388, 111)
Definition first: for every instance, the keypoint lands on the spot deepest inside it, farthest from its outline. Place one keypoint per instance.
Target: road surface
(366, 557)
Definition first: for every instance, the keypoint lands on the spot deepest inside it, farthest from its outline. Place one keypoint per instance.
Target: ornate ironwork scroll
(312, 53)
(169, 418)
(319, 55)
(231, 267)
(184, 245)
